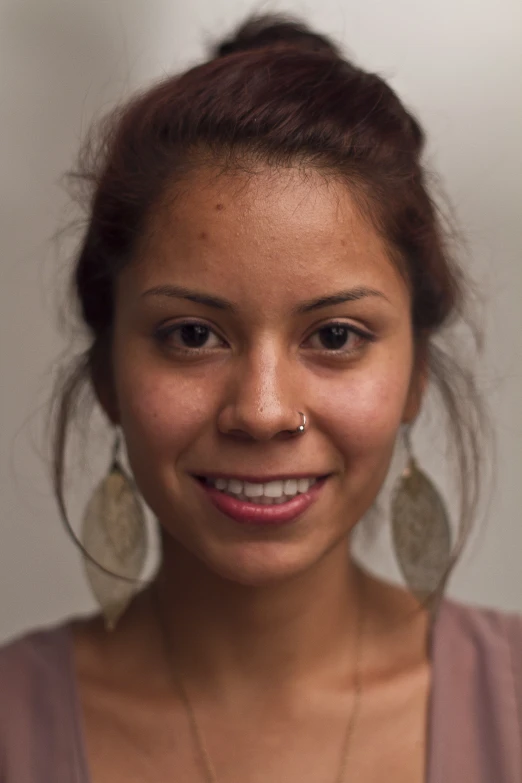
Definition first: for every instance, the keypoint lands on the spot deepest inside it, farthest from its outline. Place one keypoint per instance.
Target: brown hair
(280, 94)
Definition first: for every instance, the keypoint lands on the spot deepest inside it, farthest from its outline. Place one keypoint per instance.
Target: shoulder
(480, 639)
(477, 692)
(489, 630)
(34, 685)
(30, 655)
(28, 664)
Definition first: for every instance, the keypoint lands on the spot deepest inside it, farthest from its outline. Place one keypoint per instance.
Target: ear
(418, 385)
(101, 378)
(107, 400)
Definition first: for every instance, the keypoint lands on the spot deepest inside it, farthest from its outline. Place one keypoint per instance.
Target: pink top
(475, 726)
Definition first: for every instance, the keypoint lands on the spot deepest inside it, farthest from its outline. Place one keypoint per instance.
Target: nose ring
(299, 430)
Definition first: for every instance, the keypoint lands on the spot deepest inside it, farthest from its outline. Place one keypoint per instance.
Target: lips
(250, 513)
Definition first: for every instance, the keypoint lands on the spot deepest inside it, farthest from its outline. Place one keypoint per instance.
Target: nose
(263, 402)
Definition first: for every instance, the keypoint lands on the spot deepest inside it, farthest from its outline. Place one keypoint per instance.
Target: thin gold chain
(210, 773)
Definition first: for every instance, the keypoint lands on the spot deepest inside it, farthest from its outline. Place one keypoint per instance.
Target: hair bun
(272, 29)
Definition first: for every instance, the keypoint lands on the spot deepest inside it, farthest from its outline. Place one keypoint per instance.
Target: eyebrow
(180, 292)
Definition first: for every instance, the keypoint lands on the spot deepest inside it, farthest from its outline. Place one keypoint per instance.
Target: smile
(266, 493)
(273, 502)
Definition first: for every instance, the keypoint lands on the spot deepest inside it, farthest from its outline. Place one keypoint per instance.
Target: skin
(268, 616)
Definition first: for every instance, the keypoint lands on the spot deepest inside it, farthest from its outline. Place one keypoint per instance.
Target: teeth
(290, 486)
(273, 489)
(234, 486)
(250, 490)
(266, 494)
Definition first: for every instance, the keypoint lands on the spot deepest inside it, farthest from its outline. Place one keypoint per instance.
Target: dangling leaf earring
(421, 528)
(115, 536)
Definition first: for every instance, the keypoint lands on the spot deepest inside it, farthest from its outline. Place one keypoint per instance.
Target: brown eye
(193, 335)
(334, 337)
(188, 337)
(340, 338)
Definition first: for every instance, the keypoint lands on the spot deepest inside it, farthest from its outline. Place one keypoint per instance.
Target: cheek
(161, 411)
(370, 412)
(362, 414)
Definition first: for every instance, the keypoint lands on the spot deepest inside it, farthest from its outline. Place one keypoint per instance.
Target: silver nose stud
(302, 426)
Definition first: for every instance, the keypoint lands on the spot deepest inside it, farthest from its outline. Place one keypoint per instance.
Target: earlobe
(102, 381)
(412, 408)
(416, 392)
(106, 396)
(107, 400)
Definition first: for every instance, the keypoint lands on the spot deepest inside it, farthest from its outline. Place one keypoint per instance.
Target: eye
(340, 339)
(188, 337)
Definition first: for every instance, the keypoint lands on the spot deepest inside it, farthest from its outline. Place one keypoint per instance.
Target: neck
(271, 634)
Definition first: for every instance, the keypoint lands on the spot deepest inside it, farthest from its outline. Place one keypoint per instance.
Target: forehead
(264, 231)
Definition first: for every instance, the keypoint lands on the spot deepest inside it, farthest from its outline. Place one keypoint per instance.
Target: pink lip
(256, 514)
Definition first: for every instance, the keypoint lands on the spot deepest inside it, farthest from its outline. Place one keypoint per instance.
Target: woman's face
(211, 387)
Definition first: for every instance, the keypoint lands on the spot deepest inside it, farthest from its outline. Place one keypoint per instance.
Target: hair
(280, 94)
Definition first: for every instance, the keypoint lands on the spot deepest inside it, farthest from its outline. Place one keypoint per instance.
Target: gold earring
(114, 534)
(421, 529)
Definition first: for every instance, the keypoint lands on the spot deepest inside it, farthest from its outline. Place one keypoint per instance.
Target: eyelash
(163, 335)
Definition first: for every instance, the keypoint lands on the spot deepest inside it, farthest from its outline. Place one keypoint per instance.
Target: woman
(263, 277)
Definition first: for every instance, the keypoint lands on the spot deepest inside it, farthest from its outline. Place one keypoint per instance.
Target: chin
(262, 565)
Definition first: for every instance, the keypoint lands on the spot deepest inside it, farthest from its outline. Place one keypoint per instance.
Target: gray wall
(458, 63)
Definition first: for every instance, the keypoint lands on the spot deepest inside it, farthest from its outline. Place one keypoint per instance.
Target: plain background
(456, 63)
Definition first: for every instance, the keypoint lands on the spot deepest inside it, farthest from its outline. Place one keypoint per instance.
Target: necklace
(176, 674)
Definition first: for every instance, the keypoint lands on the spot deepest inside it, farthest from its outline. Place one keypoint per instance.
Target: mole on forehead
(219, 206)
